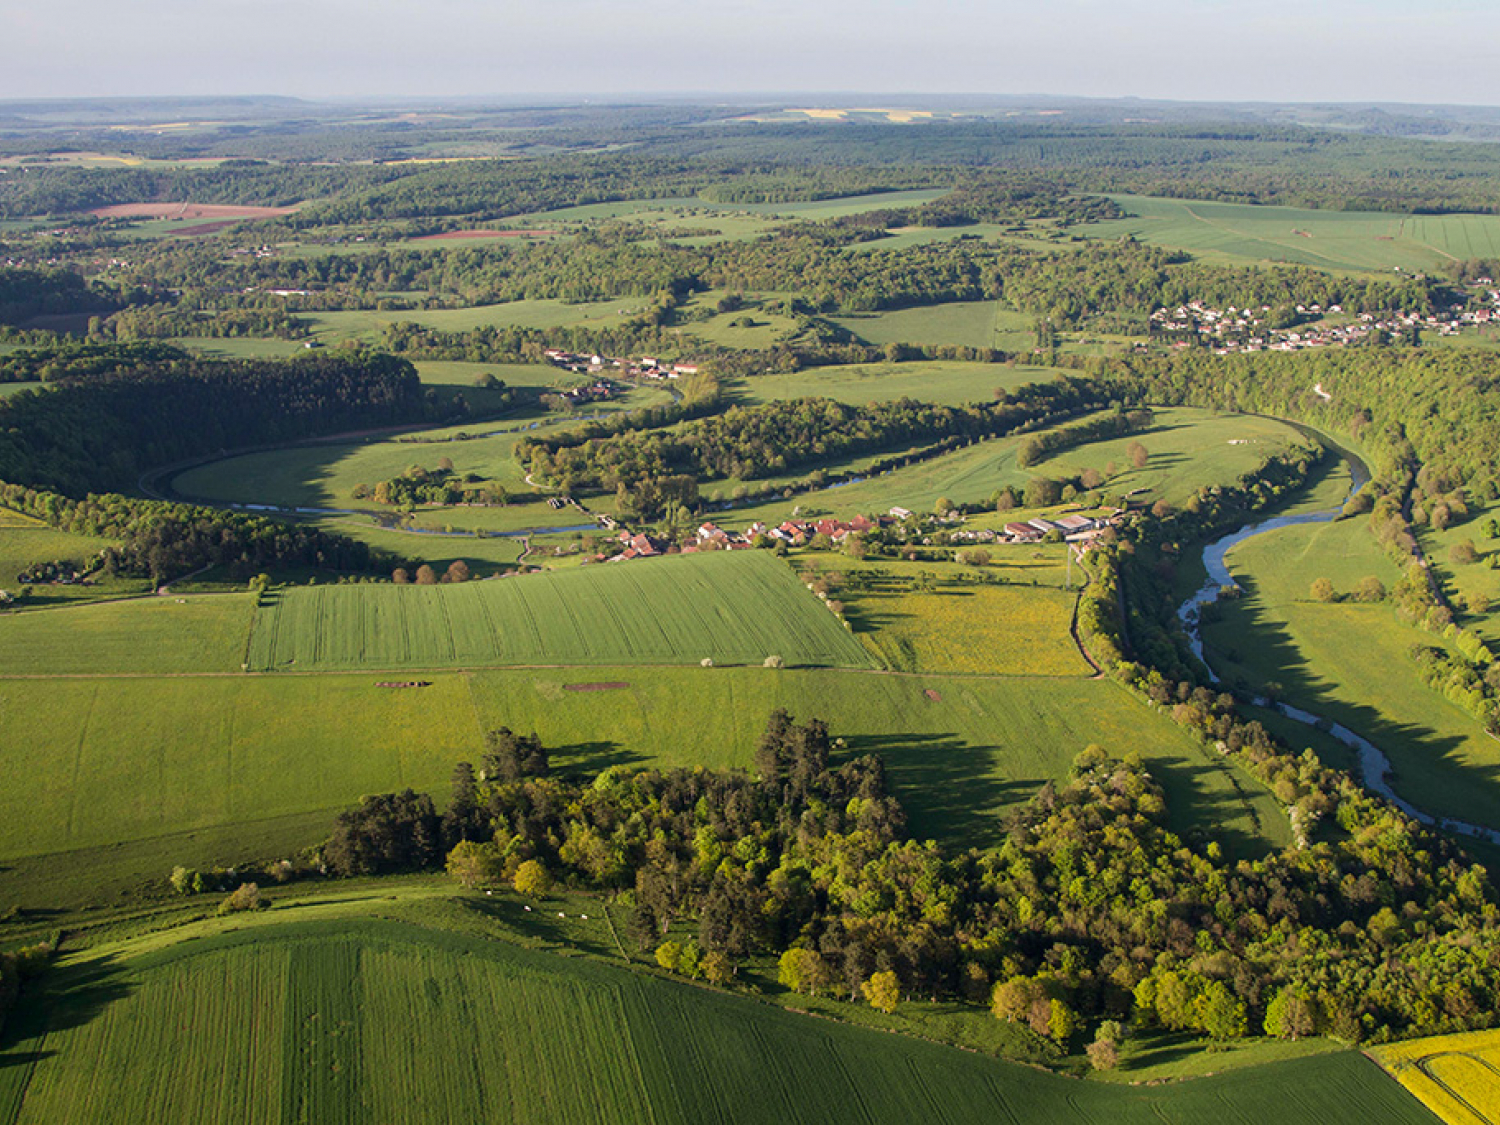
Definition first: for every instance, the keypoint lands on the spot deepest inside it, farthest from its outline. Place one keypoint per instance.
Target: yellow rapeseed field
(1455, 1076)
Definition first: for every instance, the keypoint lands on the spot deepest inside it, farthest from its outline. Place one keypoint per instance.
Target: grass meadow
(157, 1030)
(940, 381)
(1187, 449)
(1349, 662)
(147, 636)
(972, 324)
(730, 607)
(1338, 240)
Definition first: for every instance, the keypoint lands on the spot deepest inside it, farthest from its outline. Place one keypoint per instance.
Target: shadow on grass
(588, 759)
(541, 922)
(65, 997)
(949, 788)
(1250, 647)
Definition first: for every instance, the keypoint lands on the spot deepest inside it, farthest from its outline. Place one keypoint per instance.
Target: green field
(690, 210)
(972, 324)
(940, 381)
(1188, 449)
(201, 633)
(152, 771)
(369, 326)
(310, 1018)
(731, 607)
(1349, 662)
(1339, 240)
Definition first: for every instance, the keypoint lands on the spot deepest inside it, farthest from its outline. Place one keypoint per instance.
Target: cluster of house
(711, 537)
(600, 390)
(646, 367)
(1244, 330)
(1075, 527)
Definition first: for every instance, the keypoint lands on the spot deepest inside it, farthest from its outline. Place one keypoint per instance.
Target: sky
(1442, 51)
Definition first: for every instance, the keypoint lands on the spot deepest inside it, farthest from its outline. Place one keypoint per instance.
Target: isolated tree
(1138, 454)
(1369, 589)
(510, 756)
(426, 576)
(1322, 590)
(472, 864)
(400, 576)
(458, 571)
(532, 879)
(883, 991)
(1463, 553)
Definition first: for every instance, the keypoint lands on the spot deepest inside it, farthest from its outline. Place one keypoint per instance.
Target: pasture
(110, 761)
(1187, 448)
(1349, 662)
(150, 635)
(972, 324)
(1338, 240)
(937, 618)
(959, 750)
(1455, 1076)
(157, 1030)
(118, 778)
(733, 608)
(946, 382)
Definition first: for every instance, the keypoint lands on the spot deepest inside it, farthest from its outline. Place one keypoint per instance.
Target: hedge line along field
(730, 607)
(293, 1021)
(1340, 240)
(150, 635)
(1350, 662)
(1455, 1076)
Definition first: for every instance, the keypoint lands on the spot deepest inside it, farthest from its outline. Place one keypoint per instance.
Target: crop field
(1349, 662)
(940, 381)
(1455, 1076)
(973, 324)
(516, 1034)
(151, 635)
(1340, 240)
(731, 607)
(104, 761)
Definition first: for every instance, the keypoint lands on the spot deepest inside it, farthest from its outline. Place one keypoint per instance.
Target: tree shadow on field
(65, 997)
(1249, 646)
(951, 789)
(588, 759)
(591, 934)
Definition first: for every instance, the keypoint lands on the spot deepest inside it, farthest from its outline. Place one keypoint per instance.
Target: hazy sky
(1275, 50)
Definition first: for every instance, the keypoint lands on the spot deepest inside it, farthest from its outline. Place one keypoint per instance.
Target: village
(899, 526)
(1246, 330)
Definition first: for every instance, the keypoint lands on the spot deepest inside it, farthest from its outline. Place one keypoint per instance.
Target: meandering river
(1374, 767)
